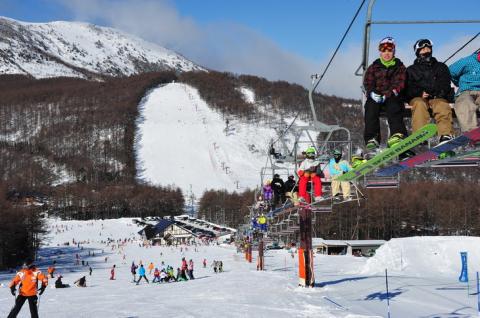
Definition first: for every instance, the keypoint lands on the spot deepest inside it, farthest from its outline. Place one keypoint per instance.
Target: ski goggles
(420, 44)
(386, 47)
(387, 43)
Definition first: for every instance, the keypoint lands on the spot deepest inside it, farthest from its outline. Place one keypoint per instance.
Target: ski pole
(478, 295)
(388, 296)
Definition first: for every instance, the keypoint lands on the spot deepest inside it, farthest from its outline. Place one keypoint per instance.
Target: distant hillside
(82, 50)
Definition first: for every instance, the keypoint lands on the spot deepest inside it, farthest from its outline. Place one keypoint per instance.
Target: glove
(13, 290)
(41, 290)
(377, 97)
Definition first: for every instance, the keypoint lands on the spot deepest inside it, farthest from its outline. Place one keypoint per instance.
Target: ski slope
(181, 141)
(426, 285)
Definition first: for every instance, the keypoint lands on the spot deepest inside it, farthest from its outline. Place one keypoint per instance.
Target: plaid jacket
(382, 80)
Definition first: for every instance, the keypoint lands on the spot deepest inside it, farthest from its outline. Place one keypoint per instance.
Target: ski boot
(396, 138)
(357, 161)
(447, 154)
(373, 146)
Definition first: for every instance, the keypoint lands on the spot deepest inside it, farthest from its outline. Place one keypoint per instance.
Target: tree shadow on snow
(339, 281)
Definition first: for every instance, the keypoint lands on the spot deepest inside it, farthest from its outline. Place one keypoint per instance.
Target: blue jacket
(337, 169)
(466, 73)
(141, 271)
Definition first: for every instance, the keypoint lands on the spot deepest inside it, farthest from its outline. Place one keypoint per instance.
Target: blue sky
(276, 39)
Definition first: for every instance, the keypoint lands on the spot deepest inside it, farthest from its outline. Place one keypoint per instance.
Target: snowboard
(432, 154)
(472, 155)
(389, 154)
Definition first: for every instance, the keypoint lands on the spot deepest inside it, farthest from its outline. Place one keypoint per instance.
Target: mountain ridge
(78, 49)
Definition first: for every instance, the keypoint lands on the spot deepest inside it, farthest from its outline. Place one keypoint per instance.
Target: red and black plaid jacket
(383, 80)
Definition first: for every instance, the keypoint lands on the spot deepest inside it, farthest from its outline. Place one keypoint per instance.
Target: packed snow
(347, 286)
(183, 142)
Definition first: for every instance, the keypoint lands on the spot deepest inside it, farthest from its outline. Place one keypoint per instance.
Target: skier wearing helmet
(428, 87)
(308, 172)
(337, 167)
(383, 82)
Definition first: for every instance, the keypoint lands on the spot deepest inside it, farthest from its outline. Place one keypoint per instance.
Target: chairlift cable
(461, 48)
(326, 68)
(340, 44)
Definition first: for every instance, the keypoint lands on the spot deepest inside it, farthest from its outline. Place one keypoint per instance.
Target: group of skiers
(425, 85)
(166, 274)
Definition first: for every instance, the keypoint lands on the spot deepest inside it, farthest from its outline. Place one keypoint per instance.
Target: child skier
(308, 172)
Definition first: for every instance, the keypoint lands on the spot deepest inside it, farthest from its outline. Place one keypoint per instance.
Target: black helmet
(420, 44)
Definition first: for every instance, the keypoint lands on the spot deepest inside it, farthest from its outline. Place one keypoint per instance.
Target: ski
(471, 136)
(389, 154)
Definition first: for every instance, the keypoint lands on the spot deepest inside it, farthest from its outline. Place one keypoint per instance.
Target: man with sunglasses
(383, 82)
(428, 87)
(466, 76)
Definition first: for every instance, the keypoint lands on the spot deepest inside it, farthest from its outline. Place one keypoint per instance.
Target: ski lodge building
(181, 229)
(351, 247)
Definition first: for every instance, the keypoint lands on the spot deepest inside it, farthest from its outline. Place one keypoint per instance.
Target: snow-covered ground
(425, 284)
(182, 141)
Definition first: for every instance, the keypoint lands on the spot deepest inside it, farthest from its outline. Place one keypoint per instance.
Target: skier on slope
(28, 279)
(112, 273)
(156, 276)
(141, 274)
(133, 270)
(383, 82)
(150, 268)
(190, 269)
(51, 269)
(308, 172)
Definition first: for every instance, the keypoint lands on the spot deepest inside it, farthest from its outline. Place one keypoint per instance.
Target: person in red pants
(307, 172)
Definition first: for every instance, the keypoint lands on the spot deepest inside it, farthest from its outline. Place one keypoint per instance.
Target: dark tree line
(416, 208)
(224, 207)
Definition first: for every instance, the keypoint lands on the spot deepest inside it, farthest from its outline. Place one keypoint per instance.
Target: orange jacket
(51, 269)
(28, 280)
(151, 266)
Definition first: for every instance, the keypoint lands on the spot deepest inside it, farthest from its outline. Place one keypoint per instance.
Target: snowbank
(421, 256)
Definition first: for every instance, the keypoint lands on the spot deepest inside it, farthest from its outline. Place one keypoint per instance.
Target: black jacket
(428, 76)
(290, 185)
(277, 185)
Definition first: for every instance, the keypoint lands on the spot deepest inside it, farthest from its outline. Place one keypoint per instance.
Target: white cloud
(235, 48)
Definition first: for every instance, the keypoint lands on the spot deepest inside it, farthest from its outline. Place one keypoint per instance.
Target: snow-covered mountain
(77, 49)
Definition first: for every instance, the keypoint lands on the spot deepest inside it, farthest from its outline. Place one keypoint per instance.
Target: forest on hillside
(68, 145)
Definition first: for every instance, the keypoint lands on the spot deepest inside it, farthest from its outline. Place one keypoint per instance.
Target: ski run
(423, 279)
